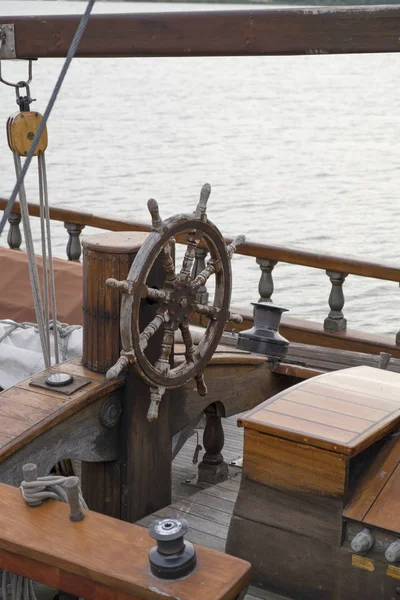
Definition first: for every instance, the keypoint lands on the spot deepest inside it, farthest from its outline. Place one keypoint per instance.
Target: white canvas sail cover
(21, 351)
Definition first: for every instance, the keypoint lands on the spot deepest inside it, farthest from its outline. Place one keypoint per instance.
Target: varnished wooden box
(321, 464)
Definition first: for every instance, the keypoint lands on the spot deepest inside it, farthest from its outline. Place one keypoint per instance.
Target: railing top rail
(298, 256)
(249, 32)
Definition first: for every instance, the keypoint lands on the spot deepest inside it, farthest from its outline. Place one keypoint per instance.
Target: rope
(32, 264)
(51, 273)
(50, 486)
(47, 265)
(44, 259)
(70, 55)
(16, 587)
(63, 330)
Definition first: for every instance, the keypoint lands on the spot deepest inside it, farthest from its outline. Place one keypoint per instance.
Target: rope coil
(50, 486)
(16, 587)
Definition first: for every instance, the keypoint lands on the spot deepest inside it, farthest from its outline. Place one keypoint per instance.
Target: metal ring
(20, 83)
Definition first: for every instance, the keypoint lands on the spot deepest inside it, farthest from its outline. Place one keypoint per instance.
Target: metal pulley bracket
(7, 41)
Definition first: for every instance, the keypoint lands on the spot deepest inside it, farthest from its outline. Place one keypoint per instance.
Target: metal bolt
(10, 27)
(72, 488)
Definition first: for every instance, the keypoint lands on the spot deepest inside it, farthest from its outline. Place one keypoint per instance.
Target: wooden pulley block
(21, 130)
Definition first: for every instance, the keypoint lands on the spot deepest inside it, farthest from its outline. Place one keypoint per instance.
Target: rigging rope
(48, 270)
(33, 271)
(70, 55)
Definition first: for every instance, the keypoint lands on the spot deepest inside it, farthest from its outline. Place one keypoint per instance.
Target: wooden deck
(208, 508)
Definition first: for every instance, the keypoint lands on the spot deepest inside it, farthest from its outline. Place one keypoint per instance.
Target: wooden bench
(321, 464)
(101, 558)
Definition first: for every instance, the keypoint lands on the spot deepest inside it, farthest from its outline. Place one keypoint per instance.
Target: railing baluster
(74, 249)
(198, 266)
(213, 469)
(14, 237)
(266, 284)
(335, 321)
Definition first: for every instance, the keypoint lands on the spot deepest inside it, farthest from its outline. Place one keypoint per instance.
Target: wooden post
(213, 469)
(138, 483)
(335, 321)
(14, 237)
(73, 249)
(266, 285)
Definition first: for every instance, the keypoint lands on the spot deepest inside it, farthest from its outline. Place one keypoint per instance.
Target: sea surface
(299, 151)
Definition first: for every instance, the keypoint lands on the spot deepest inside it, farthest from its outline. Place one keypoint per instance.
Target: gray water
(299, 151)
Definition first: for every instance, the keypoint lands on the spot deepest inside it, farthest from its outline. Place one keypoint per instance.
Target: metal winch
(172, 558)
(264, 337)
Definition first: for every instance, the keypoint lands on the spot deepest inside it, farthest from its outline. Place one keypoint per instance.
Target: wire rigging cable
(17, 139)
(70, 55)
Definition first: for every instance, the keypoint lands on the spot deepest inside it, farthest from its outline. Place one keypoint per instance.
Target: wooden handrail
(308, 258)
(60, 213)
(249, 32)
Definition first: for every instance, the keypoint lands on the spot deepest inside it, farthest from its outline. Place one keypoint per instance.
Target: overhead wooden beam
(214, 33)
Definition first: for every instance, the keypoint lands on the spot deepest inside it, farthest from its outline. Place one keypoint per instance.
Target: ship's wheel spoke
(156, 221)
(232, 247)
(187, 340)
(208, 310)
(213, 266)
(200, 212)
(156, 395)
(188, 259)
(212, 312)
(168, 264)
(154, 294)
(201, 385)
(235, 318)
(151, 329)
(162, 363)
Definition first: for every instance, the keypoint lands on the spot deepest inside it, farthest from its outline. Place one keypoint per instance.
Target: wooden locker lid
(345, 411)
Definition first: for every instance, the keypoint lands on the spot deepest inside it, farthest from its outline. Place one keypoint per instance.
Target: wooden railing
(333, 332)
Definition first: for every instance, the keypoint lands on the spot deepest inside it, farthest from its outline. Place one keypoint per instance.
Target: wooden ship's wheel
(176, 301)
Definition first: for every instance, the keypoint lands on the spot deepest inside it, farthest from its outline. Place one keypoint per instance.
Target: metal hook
(20, 84)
